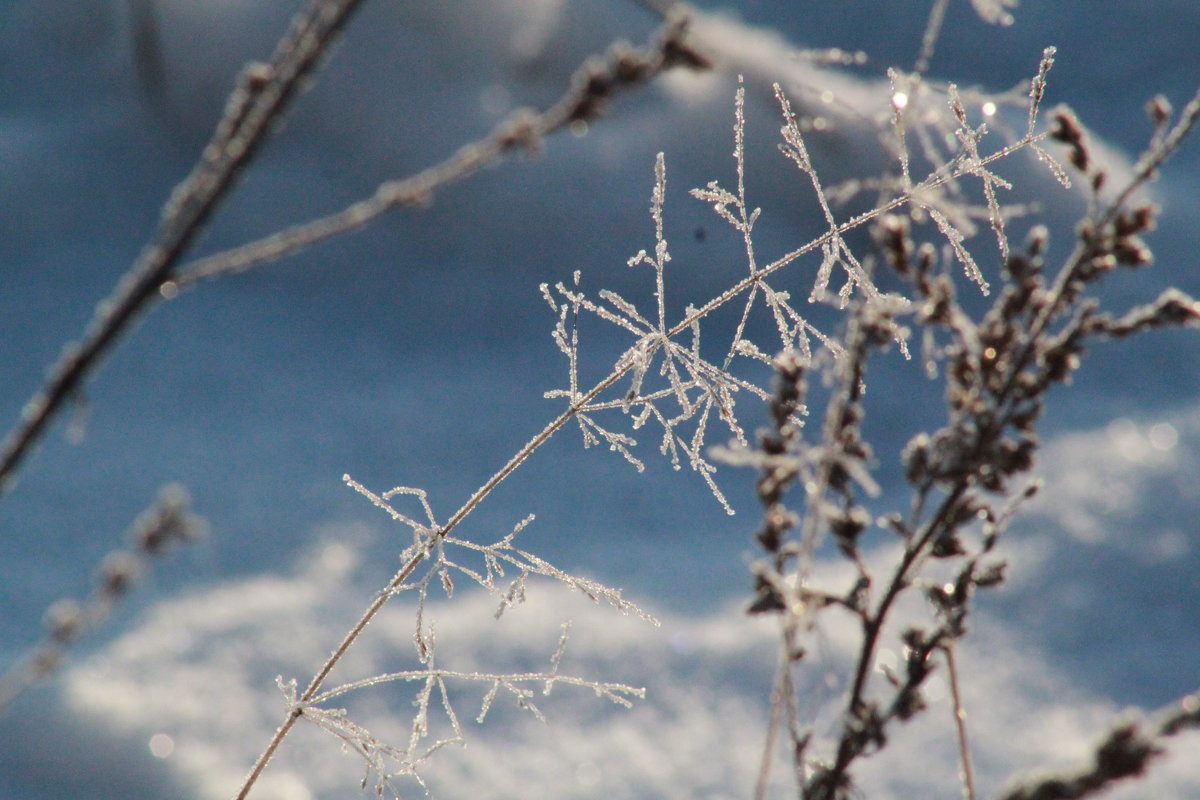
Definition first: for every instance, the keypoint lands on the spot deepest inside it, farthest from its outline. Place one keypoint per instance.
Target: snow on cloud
(199, 670)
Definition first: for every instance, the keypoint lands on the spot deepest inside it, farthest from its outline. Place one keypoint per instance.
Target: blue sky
(417, 352)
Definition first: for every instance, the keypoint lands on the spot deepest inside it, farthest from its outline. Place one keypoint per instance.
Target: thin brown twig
(960, 725)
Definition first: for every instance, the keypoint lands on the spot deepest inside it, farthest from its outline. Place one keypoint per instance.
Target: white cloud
(1097, 482)
(200, 669)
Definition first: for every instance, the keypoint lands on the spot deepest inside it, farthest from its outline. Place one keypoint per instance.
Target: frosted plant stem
(400, 577)
(939, 178)
(874, 622)
(319, 679)
(567, 108)
(933, 29)
(263, 759)
(532, 445)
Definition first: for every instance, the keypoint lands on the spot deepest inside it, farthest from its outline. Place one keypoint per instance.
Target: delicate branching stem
(410, 566)
(592, 85)
(519, 677)
(939, 178)
(532, 445)
(873, 624)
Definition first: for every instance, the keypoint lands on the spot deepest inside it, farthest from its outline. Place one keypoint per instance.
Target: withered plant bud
(64, 619)
(1136, 220)
(117, 572)
(1132, 252)
(1159, 110)
(893, 238)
